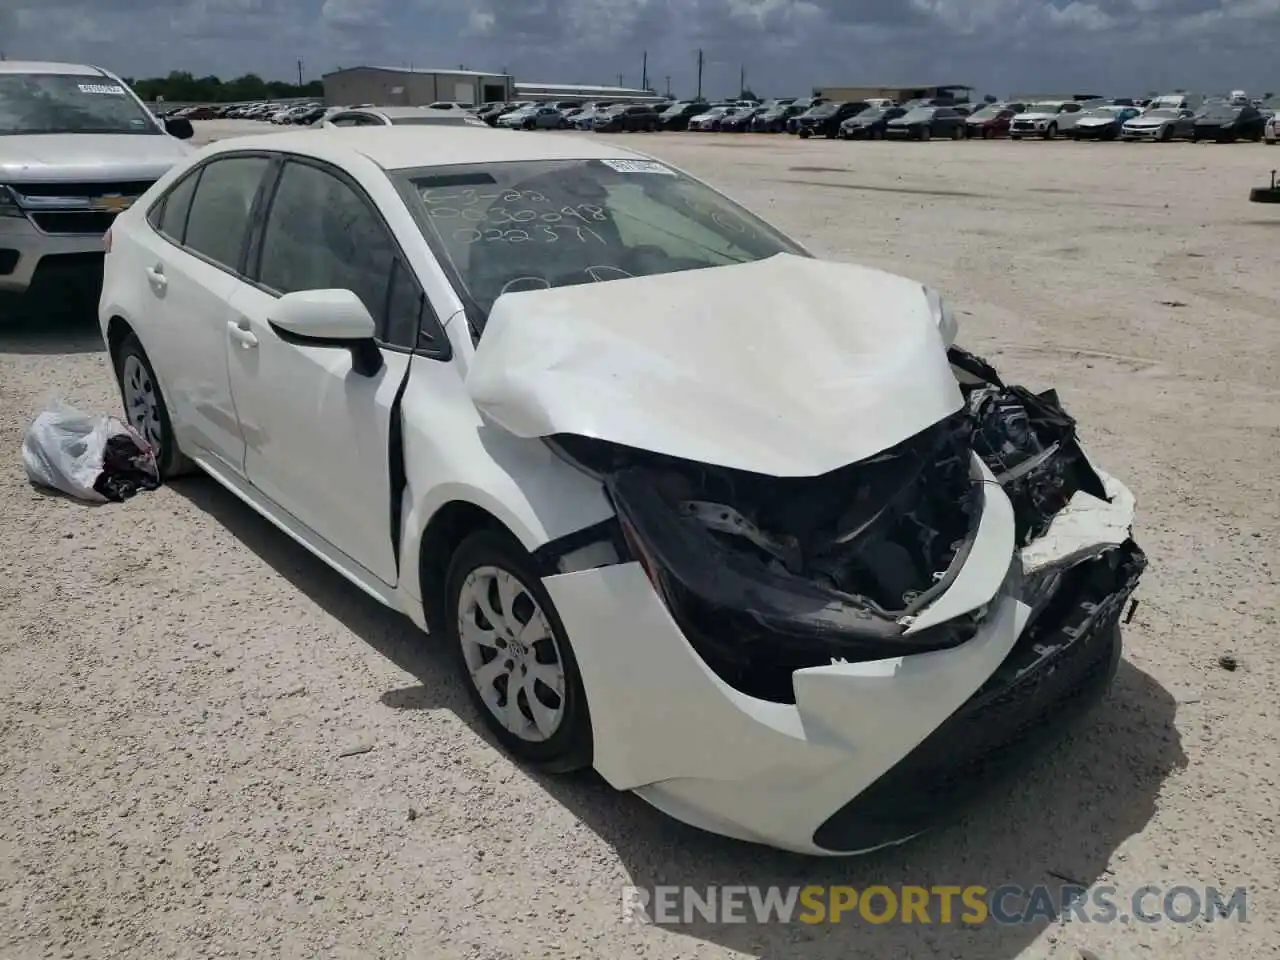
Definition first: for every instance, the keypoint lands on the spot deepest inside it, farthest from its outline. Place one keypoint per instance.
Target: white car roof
(402, 148)
(47, 66)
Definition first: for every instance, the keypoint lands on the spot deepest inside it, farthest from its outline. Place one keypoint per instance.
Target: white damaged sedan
(741, 528)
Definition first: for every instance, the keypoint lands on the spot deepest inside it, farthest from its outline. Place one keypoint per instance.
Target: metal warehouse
(581, 92)
(898, 94)
(411, 87)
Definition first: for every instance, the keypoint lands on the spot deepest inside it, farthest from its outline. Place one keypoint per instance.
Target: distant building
(954, 91)
(583, 92)
(411, 87)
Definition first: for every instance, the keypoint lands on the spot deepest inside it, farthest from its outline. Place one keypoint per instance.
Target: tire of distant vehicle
(957, 132)
(1166, 133)
(1051, 131)
(1015, 136)
(569, 748)
(169, 458)
(925, 132)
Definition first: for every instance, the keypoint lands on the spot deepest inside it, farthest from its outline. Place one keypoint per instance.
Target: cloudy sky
(787, 46)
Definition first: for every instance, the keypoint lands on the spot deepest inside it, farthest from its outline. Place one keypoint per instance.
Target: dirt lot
(180, 680)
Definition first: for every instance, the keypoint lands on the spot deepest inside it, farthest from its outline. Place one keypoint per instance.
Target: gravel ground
(180, 681)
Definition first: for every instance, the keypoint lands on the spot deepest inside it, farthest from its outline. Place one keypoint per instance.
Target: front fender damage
(767, 576)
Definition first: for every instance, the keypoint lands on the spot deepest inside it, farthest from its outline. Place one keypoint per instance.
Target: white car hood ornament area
(788, 366)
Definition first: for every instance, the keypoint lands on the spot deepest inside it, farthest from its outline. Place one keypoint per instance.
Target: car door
(193, 268)
(318, 433)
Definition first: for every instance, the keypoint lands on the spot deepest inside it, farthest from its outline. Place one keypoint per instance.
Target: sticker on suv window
(638, 166)
(112, 88)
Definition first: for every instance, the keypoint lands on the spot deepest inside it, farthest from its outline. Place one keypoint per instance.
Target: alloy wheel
(142, 403)
(511, 654)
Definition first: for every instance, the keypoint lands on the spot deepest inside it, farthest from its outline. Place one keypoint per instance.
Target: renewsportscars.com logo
(971, 905)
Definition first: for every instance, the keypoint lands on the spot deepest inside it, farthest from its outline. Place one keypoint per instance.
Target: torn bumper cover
(832, 664)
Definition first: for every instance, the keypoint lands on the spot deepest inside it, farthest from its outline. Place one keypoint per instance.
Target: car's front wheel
(514, 655)
(145, 407)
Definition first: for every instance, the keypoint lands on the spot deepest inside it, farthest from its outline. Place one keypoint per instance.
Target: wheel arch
(118, 330)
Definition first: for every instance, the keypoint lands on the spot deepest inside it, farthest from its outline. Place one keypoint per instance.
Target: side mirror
(179, 127)
(329, 318)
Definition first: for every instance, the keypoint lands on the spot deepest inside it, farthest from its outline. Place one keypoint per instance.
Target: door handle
(156, 277)
(241, 335)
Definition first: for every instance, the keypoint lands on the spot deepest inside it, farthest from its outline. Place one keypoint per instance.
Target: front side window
(219, 217)
(32, 103)
(506, 227)
(321, 235)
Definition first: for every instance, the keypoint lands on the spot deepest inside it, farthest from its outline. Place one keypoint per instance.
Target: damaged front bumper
(823, 721)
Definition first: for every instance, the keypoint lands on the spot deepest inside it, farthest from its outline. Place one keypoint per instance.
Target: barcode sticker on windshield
(638, 166)
(112, 88)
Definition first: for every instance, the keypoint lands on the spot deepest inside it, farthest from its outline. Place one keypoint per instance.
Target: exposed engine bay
(769, 575)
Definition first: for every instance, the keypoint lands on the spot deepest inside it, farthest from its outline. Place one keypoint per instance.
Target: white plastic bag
(66, 450)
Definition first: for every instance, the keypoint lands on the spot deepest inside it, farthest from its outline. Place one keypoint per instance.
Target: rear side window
(219, 216)
(172, 219)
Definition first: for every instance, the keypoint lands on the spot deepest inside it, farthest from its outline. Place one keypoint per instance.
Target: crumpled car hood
(788, 366)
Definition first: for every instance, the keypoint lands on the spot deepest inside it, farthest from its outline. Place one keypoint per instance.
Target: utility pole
(742, 79)
(699, 74)
(668, 84)
(619, 79)
(299, 73)
(644, 72)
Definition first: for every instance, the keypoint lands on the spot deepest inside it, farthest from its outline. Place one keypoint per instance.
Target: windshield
(919, 114)
(824, 110)
(675, 109)
(1043, 108)
(1108, 113)
(57, 103)
(1162, 114)
(986, 113)
(533, 225)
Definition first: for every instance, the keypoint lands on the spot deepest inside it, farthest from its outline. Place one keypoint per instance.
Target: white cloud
(787, 46)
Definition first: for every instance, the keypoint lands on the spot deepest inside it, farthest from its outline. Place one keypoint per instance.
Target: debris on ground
(91, 457)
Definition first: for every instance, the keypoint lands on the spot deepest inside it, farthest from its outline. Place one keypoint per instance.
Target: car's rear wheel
(515, 658)
(988, 133)
(1166, 134)
(145, 408)
(957, 133)
(925, 133)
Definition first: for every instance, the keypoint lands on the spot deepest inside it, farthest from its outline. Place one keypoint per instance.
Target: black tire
(988, 133)
(569, 748)
(957, 133)
(1051, 131)
(170, 459)
(925, 133)
(805, 133)
(1166, 134)
(1264, 195)
(1015, 136)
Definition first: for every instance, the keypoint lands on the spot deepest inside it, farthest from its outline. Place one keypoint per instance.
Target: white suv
(1046, 119)
(76, 148)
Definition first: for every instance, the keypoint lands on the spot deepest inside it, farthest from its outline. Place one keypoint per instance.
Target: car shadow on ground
(1057, 824)
(49, 330)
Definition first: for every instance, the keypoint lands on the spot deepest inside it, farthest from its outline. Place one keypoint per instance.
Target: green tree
(181, 86)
